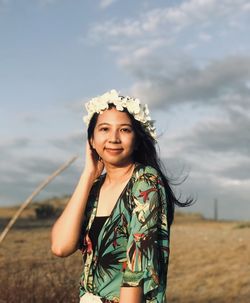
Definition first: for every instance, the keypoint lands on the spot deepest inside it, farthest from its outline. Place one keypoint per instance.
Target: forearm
(131, 295)
(66, 231)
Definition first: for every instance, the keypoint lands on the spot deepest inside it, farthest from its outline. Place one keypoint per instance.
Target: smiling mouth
(114, 150)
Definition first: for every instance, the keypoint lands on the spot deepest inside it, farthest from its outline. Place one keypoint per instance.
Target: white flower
(133, 105)
(86, 119)
(103, 105)
(118, 105)
(146, 110)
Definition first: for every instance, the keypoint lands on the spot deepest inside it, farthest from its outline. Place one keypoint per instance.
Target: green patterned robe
(133, 245)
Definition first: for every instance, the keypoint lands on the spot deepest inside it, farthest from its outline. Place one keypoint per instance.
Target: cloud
(28, 169)
(238, 170)
(129, 28)
(35, 166)
(172, 32)
(26, 173)
(14, 144)
(204, 184)
(28, 118)
(212, 145)
(215, 154)
(229, 136)
(157, 49)
(106, 3)
(175, 19)
(205, 37)
(25, 163)
(71, 142)
(180, 81)
(233, 198)
(246, 6)
(214, 151)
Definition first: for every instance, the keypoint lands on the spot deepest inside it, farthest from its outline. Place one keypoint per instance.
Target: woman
(120, 220)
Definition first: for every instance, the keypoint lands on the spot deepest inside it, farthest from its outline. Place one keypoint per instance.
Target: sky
(188, 60)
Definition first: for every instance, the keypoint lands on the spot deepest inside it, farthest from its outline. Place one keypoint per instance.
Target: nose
(114, 137)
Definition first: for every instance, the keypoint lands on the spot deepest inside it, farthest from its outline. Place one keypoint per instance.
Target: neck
(118, 174)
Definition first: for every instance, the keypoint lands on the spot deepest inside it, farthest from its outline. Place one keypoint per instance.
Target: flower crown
(133, 106)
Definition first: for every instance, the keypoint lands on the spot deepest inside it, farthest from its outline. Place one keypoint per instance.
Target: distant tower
(215, 209)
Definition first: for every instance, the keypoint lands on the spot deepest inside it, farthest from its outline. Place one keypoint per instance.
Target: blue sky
(189, 60)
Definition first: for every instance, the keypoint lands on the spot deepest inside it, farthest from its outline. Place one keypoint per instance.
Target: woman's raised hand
(93, 166)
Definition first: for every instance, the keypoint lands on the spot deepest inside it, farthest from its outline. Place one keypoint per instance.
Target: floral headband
(133, 106)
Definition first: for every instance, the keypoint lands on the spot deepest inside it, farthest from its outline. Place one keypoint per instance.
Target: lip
(114, 150)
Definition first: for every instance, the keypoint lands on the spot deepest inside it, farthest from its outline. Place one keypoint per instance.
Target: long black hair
(146, 143)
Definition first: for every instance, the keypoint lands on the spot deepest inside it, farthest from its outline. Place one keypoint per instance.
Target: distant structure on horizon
(215, 209)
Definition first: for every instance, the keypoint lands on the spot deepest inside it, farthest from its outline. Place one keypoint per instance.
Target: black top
(96, 229)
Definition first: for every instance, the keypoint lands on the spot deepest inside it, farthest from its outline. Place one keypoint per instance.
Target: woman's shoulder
(142, 169)
(146, 174)
(147, 179)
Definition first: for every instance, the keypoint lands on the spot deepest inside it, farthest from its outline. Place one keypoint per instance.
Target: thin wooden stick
(35, 192)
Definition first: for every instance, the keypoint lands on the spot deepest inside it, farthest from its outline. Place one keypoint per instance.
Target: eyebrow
(122, 124)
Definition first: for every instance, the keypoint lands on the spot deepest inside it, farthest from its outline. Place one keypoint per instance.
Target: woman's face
(114, 137)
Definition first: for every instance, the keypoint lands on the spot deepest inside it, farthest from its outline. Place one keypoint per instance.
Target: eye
(103, 129)
(126, 130)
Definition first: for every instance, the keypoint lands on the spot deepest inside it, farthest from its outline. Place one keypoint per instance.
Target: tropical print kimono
(133, 245)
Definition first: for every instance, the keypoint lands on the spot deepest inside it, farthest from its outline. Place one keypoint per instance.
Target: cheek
(98, 139)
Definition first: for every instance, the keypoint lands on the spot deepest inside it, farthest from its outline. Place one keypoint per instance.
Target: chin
(118, 161)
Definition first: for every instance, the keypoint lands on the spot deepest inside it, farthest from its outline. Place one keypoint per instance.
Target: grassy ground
(209, 262)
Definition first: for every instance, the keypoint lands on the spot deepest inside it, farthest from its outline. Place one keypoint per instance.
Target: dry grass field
(209, 262)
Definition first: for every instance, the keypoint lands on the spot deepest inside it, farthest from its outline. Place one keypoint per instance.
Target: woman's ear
(91, 141)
